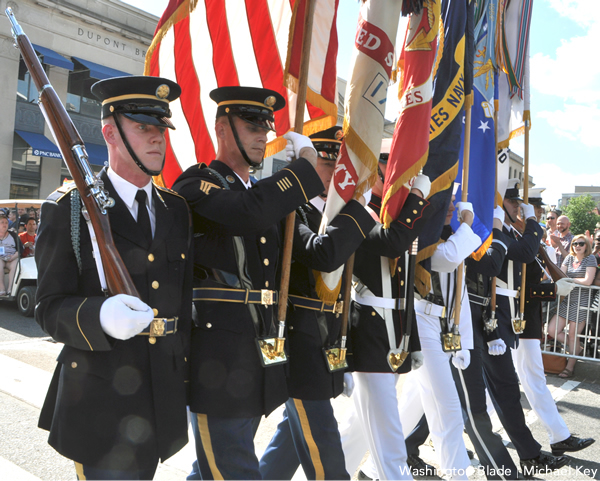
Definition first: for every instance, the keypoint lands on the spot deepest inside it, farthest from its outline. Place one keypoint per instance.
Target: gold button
(263, 240)
(185, 359)
(535, 233)
(209, 325)
(372, 313)
(155, 312)
(401, 283)
(408, 221)
(152, 340)
(415, 212)
(399, 269)
(420, 202)
(155, 284)
(266, 261)
(73, 365)
(291, 328)
(266, 283)
(151, 257)
(534, 292)
(542, 293)
(182, 255)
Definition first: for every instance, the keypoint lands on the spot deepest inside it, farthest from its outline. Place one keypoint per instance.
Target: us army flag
(356, 169)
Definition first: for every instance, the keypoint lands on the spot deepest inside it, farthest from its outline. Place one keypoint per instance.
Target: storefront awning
(41, 145)
(100, 72)
(53, 58)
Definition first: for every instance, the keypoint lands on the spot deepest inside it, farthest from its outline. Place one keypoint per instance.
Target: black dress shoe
(362, 476)
(571, 444)
(544, 463)
(420, 469)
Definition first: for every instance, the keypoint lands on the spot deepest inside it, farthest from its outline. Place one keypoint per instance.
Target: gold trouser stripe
(207, 445)
(79, 471)
(312, 446)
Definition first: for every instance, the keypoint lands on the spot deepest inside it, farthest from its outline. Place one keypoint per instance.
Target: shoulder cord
(219, 177)
(75, 224)
(302, 214)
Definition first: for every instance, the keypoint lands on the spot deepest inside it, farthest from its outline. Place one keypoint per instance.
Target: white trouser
(530, 368)
(374, 425)
(438, 398)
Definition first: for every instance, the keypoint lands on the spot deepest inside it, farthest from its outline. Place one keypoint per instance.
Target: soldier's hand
(421, 183)
(497, 347)
(123, 316)
(461, 359)
(565, 286)
(498, 217)
(301, 146)
(416, 360)
(527, 211)
(348, 384)
(365, 198)
(465, 212)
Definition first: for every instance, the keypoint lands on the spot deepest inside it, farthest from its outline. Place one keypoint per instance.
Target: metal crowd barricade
(586, 331)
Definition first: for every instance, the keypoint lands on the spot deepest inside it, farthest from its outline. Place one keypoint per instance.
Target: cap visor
(149, 120)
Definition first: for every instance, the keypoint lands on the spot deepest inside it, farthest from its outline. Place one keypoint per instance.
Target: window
(79, 96)
(23, 158)
(26, 91)
(24, 190)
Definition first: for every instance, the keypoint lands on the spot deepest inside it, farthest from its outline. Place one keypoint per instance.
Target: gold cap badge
(162, 92)
(339, 134)
(270, 101)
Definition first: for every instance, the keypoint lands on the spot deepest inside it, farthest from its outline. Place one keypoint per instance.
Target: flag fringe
(363, 152)
(310, 127)
(179, 14)
(480, 252)
(398, 184)
(328, 296)
(444, 181)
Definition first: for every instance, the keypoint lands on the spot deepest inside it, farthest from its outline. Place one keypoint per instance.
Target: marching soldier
(528, 356)
(313, 334)
(116, 404)
(237, 370)
(377, 330)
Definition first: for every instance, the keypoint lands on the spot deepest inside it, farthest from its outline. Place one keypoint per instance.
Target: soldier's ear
(110, 133)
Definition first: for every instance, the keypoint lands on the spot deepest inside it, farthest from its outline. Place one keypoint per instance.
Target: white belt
(501, 291)
(381, 302)
(429, 308)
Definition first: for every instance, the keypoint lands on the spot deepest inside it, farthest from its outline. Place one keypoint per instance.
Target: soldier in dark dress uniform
(377, 329)
(117, 401)
(528, 356)
(313, 328)
(238, 240)
(499, 372)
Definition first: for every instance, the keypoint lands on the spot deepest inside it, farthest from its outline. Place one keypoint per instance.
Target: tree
(580, 213)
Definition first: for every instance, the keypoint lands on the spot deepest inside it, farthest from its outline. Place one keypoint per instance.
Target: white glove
(420, 182)
(497, 347)
(463, 207)
(348, 384)
(461, 359)
(527, 211)
(367, 196)
(289, 151)
(416, 360)
(123, 316)
(499, 213)
(298, 142)
(565, 286)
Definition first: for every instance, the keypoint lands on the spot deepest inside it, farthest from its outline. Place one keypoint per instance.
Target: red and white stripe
(207, 44)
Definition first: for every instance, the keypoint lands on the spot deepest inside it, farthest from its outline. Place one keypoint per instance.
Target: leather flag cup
(205, 44)
(483, 145)
(356, 169)
(453, 83)
(410, 144)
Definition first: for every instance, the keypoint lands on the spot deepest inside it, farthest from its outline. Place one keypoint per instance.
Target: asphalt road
(27, 360)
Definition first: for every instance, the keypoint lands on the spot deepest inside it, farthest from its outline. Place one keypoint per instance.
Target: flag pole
(526, 200)
(492, 322)
(284, 284)
(454, 337)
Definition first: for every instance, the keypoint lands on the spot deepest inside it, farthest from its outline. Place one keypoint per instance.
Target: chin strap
(239, 144)
(512, 221)
(142, 167)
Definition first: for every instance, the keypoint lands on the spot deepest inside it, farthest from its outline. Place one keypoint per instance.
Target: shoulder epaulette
(61, 192)
(168, 191)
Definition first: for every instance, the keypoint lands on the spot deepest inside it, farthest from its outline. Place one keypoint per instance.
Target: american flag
(205, 44)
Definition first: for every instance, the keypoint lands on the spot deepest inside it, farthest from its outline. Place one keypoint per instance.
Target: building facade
(78, 42)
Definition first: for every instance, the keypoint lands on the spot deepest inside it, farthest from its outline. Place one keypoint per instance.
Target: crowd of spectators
(18, 231)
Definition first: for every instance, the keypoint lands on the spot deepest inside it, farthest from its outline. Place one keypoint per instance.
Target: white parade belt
(502, 289)
(381, 302)
(429, 308)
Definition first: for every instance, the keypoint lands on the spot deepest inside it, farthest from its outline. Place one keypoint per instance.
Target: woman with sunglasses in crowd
(580, 265)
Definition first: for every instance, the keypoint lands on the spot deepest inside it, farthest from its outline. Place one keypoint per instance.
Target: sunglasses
(551, 218)
(580, 244)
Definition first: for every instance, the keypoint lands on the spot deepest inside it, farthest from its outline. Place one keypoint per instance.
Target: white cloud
(576, 122)
(558, 182)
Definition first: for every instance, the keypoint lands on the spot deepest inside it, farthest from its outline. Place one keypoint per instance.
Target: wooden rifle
(91, 189)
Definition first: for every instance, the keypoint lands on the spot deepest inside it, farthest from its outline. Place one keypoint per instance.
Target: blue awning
(100, 72)
(41, 145)
(98, 154)
(53, 58)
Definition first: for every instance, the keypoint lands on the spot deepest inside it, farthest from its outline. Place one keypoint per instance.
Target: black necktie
(143, 219)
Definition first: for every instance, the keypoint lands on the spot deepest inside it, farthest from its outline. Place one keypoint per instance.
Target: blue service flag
(482, 168)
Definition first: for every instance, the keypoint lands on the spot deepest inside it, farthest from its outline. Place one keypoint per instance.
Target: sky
(564, 148)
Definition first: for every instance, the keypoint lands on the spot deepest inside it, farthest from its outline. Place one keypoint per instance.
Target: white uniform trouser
(374, 425)
(528, 362)
(438, 398)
